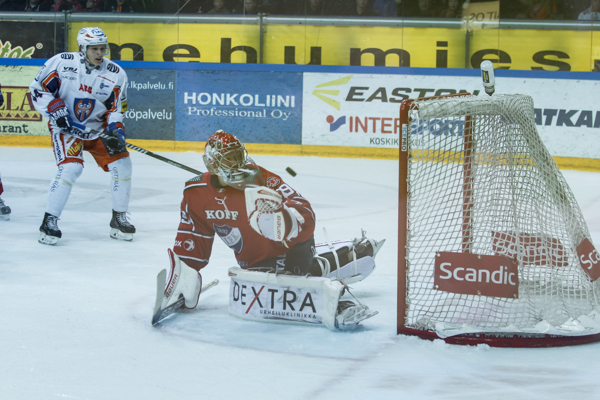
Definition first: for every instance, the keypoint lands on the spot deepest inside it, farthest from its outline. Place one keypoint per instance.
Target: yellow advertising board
(18, 117)
(523, 49)
(210, 43)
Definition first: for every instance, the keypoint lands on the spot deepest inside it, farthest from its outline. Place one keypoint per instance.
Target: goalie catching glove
(269, 216)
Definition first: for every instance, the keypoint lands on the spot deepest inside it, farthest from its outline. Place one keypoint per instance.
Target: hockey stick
(161, 314)
(139, 149)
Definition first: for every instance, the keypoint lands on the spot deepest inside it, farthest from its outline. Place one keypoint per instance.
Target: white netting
(501, 172)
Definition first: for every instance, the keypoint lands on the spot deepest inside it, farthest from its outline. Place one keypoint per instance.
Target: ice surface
(76, 317)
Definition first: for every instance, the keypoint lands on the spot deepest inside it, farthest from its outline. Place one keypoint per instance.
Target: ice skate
(365, 247)
(4, 211)
(121, 228)
(350, 314)
(49, 232)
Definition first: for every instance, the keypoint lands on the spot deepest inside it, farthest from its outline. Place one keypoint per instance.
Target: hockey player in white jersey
(76, 91)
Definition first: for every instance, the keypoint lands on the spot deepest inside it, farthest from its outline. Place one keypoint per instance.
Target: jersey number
(285, 190)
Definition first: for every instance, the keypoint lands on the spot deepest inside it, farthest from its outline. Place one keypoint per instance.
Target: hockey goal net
(492, 246)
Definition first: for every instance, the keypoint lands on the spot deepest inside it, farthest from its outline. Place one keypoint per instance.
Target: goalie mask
(93, 36)
(227, 158)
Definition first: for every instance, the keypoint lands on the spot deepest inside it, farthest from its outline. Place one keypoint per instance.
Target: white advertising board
(362, 109)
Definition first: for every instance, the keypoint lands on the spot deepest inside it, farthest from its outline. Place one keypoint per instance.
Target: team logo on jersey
(222, 214)
(231, 236)
(272, 182)
(83, 108)
(188, 245)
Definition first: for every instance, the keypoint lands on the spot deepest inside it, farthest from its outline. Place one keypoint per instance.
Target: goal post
(492, 245)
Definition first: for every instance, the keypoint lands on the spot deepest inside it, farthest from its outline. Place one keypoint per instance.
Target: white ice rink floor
(76, 317)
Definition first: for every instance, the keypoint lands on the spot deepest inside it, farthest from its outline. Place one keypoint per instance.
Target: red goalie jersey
(209, 209)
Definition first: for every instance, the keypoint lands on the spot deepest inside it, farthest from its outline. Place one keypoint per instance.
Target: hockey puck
(290, 171)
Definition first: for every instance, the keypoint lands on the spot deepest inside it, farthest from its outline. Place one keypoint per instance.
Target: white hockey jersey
(94, 97)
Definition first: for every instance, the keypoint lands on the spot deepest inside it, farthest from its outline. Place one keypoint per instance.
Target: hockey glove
(59, 114)
(268, 215)
(117, 138)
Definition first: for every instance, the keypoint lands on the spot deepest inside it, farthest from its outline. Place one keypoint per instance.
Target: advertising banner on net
(259, 107)
(362, 110)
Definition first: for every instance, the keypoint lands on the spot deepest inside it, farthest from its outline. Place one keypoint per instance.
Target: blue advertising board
(151, 101)
(256, 106)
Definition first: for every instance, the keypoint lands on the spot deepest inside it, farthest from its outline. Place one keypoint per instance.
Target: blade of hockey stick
(160, 314)
(140, 150)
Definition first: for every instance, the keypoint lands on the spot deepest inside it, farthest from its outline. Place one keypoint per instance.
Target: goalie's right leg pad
(182, 281)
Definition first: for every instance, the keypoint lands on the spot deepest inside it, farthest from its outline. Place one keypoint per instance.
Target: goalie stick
(161, 314)
(139, 149)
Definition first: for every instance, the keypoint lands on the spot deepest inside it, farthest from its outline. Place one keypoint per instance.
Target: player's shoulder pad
(197, 178)
(66, 56)
(61, 58)
(195, 182)
(112, 67)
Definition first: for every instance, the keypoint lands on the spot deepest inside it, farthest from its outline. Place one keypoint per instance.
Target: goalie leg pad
(354, 271)
(182, 281)
(290, 299)
(356, 257)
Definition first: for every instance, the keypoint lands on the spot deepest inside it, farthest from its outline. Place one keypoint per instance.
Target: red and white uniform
(207, 209)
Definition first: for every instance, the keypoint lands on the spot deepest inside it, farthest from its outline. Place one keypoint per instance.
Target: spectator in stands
(69, 5)
(541, 9)
(426, 9)
(121, 6)
(575, 7)
(36, 5)
(385, 8)
(247, 7)
(592, 13)
(454, 9)
(359, 8)
(219, 8)
(90, 6)
(309, 7)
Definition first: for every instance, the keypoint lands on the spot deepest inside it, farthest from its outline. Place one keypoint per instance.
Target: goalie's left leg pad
(354, 271)
(182, 281)
(286, 299)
